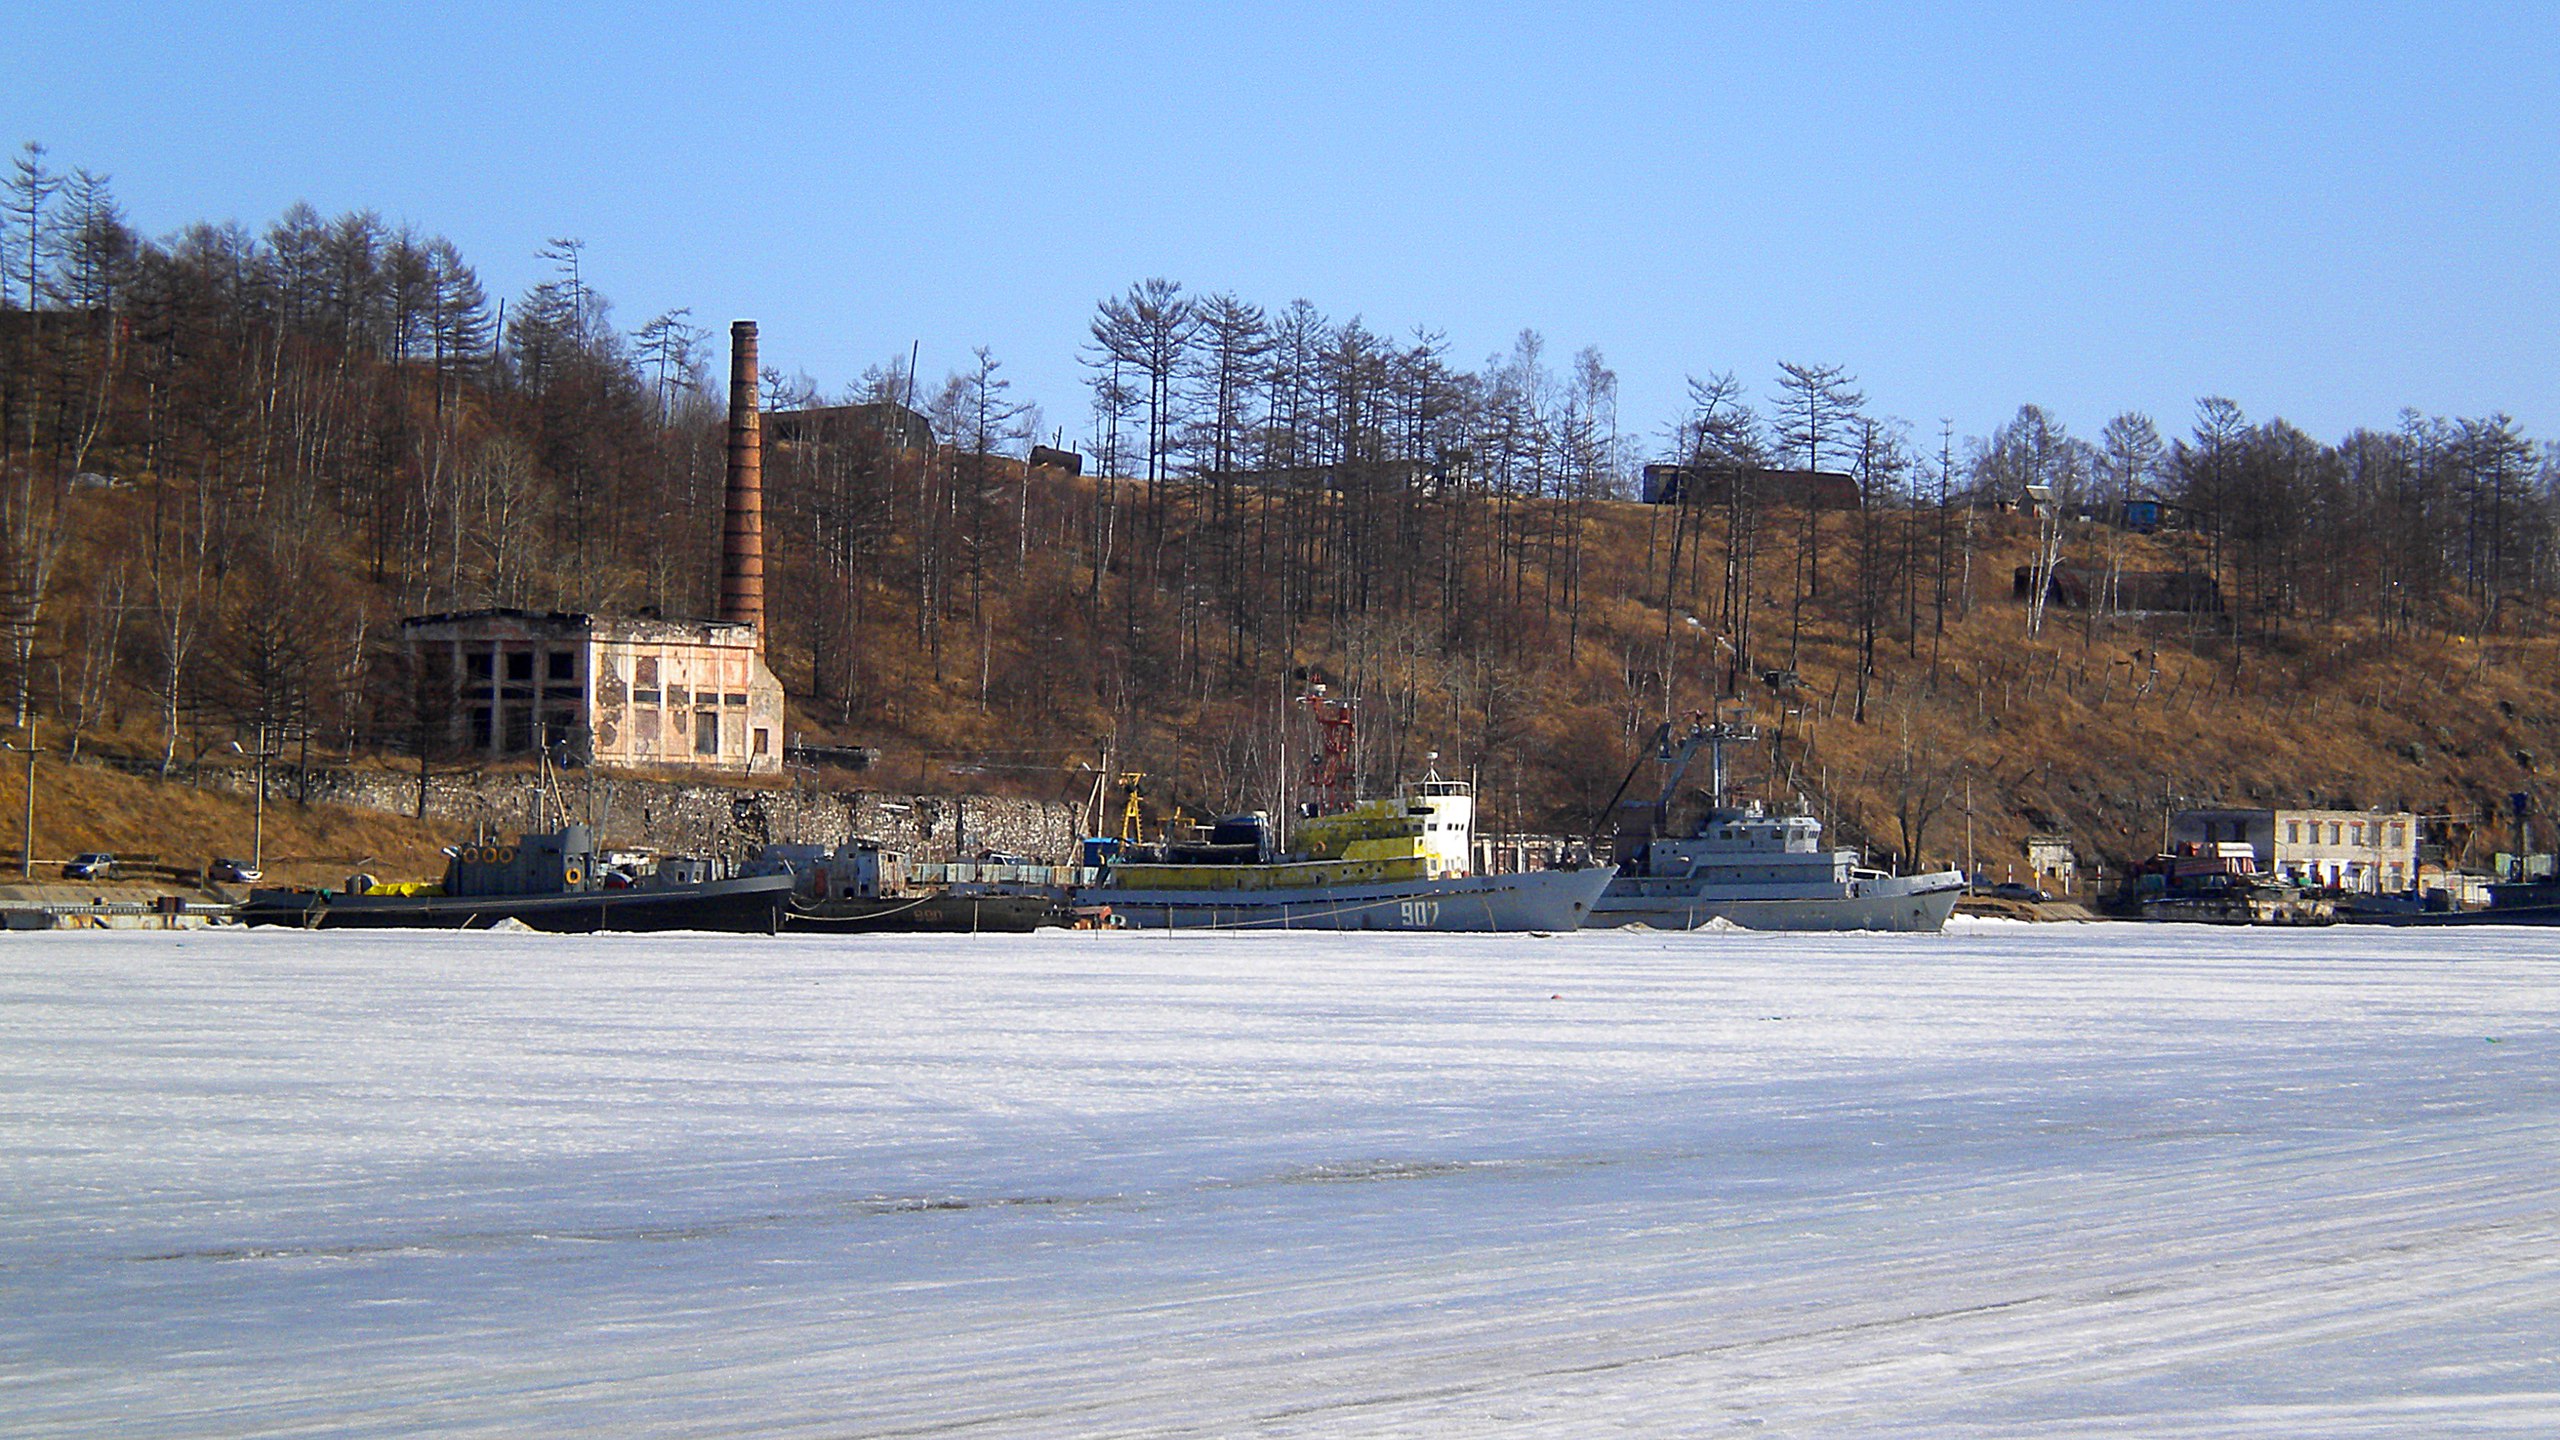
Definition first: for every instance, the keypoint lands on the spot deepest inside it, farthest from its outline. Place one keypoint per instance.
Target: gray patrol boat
(1747, 867)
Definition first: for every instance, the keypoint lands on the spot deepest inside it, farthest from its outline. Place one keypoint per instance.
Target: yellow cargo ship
(1397, 863)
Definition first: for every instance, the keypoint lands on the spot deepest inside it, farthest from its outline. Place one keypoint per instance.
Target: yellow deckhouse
(1398, 863)
(1424, 833)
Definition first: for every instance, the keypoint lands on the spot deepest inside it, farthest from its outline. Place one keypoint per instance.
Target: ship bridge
(1446, 811)
(1748, 829)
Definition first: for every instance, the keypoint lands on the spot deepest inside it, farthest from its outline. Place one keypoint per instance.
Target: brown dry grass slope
(82, 807)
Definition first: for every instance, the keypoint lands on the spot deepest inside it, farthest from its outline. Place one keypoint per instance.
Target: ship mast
(1714, 735)
(1673, 755)
(1717, 736)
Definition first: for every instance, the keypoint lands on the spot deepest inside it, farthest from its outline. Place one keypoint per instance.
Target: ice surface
(2015, 1180)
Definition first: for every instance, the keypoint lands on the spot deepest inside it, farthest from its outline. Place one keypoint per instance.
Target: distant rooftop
(605, 626)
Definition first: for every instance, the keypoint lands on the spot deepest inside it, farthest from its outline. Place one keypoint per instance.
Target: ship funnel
(742, 530)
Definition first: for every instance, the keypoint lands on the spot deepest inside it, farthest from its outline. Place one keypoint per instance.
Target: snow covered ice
(2014, 1180)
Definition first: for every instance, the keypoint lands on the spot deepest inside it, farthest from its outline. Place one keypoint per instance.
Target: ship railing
(61, 914)
(1057, 876)
(127, 908)
(1519, 854)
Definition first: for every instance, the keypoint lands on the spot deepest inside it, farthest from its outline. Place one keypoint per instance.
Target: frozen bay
(2118, 1180)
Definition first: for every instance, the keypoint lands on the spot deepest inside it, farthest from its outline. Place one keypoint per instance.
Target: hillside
(2092, 728)
(231, 463)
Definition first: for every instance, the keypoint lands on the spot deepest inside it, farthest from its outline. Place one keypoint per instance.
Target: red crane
(1328, 779)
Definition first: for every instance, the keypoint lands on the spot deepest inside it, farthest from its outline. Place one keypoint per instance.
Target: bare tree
(2129, 451)
(32, 493)
(1882, 460)
(1816, 414)
(977, 414)
(1148, 333)
(2035, 462)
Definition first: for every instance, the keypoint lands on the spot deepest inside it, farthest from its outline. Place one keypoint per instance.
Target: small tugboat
(1747, 867)
(861, 887)
(553, 881)
(1394, 863)
(2219, 884)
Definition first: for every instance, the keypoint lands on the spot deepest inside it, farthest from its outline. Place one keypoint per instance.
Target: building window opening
(519, 664)
(762, 740)
(564, 664)
(706, 732)
(483, 726)
(476, 665)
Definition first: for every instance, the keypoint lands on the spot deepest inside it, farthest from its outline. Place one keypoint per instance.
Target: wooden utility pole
(258, 825)
(27, 854)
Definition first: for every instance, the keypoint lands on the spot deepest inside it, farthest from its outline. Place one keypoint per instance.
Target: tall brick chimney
(742, 532)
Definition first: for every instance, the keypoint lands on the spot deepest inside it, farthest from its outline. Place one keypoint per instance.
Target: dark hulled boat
(2519, 902)
(860, 887)
(554, 882)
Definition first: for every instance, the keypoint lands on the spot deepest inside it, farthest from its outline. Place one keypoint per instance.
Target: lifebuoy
(468, 855)
(572, 875)
(502, 855)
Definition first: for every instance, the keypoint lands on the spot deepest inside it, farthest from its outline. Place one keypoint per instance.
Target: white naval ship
(1745, 866)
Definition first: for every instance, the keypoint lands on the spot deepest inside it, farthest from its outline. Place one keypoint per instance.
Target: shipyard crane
(1328, 775)
(1132, 821)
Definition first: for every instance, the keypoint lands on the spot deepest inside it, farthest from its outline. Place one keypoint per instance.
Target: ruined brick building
(631, 692)
(619, 691)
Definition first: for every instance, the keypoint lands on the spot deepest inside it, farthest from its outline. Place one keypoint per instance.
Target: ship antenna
(1726, 726)
(1715, 766)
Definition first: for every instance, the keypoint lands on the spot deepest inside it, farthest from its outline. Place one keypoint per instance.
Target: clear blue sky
(2323, 212)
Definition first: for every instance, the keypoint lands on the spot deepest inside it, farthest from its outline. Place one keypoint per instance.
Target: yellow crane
(1132, 823)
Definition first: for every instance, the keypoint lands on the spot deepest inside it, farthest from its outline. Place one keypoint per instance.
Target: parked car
(236, 871)
(95, 865)
(2012, 890)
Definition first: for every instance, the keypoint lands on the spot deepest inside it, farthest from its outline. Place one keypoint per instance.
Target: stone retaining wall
(685, 818)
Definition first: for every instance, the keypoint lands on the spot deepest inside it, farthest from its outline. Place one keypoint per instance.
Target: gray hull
(1923, 906)
(1535, 900)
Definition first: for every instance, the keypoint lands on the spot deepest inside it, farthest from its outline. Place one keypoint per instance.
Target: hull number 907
(1421, 914)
